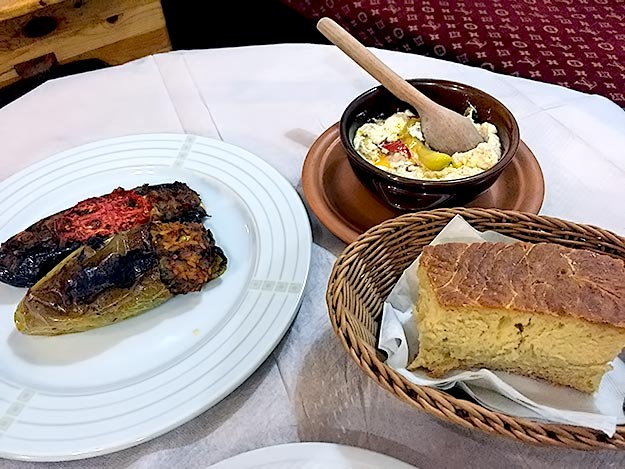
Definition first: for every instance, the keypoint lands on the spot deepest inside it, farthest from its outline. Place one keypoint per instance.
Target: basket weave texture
(367, 270)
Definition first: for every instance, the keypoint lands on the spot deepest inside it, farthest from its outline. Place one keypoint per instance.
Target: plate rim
(299, 214)
(308, 448)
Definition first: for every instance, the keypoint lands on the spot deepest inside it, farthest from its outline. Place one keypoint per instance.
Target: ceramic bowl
(418, 194)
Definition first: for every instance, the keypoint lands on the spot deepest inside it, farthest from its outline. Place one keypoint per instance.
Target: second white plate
(95, 392)
(311, 455)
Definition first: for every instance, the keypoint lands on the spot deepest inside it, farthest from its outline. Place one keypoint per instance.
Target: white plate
(311, 456)
(95, 392)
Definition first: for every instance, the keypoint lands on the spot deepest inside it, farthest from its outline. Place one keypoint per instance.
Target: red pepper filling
(397, 147)
(118, 211)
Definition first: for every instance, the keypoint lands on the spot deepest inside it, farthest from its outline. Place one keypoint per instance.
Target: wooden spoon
(444, 130)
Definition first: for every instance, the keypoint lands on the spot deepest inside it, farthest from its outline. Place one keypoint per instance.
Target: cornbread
(541, 310)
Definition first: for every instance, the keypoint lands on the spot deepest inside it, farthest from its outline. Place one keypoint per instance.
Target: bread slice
(540, 310)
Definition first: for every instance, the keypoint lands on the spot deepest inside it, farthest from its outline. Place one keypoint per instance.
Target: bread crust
(543, 278)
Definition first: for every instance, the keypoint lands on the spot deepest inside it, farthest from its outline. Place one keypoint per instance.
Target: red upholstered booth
(579, 44)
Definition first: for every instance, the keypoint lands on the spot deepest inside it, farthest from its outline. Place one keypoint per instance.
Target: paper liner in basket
(504, 392)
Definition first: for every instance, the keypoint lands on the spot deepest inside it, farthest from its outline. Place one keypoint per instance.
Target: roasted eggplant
(132, 272)
(29, 255)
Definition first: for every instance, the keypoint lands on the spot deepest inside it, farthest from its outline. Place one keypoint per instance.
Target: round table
(274, 101)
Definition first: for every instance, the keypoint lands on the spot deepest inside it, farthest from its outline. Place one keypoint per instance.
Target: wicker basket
(367, 270)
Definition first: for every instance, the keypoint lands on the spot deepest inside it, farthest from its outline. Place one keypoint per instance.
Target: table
(274, 101)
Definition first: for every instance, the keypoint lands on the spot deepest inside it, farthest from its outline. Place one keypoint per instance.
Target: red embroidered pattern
(579, 44)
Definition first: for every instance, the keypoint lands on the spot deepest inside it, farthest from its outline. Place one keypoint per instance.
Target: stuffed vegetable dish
(109, 258)
(29, 255)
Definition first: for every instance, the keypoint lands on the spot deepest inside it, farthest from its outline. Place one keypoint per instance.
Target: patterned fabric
(579, 44)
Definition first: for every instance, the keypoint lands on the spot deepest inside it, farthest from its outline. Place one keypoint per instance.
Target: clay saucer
(348, 208)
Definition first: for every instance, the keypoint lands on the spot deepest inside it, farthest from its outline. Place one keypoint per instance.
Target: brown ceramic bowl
(418, 194)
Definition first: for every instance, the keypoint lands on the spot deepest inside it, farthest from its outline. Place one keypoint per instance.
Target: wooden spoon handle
(371, 64)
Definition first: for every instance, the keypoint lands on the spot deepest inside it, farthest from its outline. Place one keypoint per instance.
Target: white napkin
(507, 393)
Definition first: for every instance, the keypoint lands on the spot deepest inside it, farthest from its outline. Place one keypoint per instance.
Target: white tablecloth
(274, 101)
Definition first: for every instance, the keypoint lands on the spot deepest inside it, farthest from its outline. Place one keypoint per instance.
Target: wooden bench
(38, 35)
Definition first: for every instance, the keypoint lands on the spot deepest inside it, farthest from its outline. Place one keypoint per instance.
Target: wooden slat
(8, 77)
(69, 20)
(115, 54)
(14, 8)
(131, 48)
(86, 29)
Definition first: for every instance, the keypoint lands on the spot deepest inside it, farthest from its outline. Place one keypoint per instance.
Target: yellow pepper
(432, 160)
